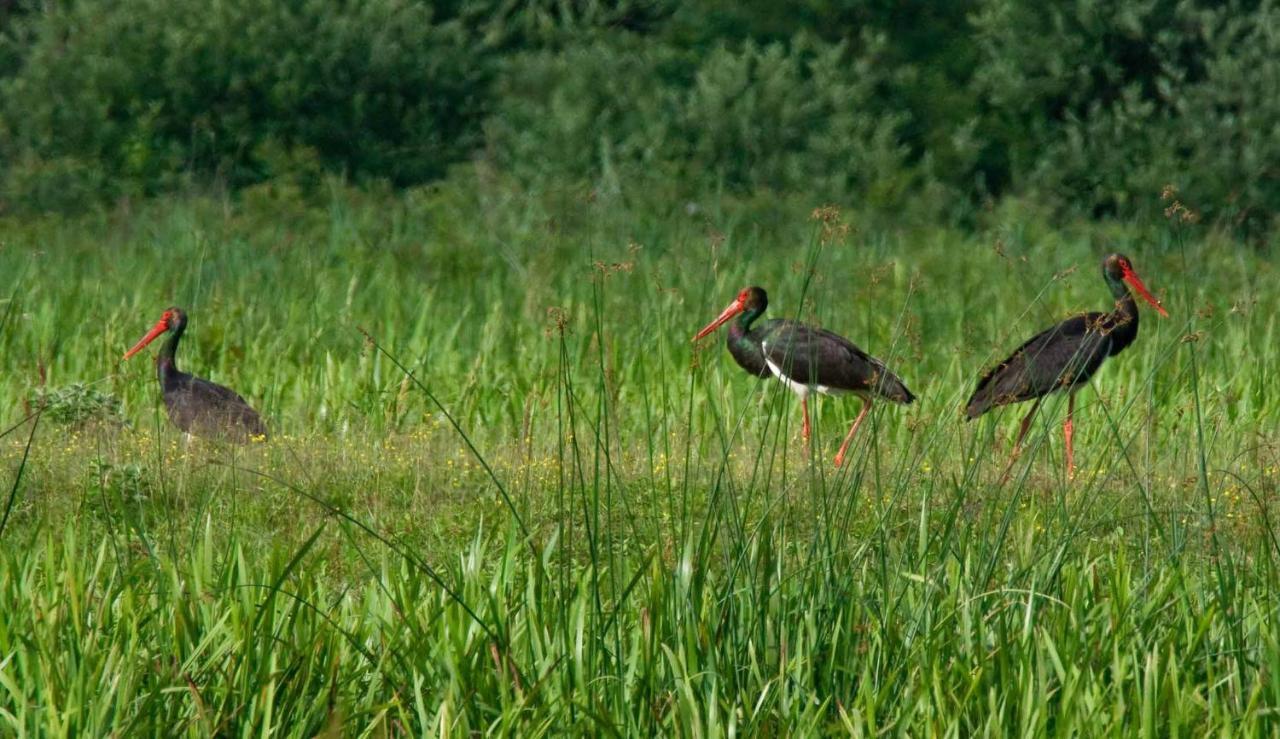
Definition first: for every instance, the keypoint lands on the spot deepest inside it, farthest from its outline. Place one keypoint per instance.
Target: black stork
(805, 359)
(196, 405)
(1066, 355)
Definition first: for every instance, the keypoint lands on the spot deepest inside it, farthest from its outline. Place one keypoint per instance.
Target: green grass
(622, 533)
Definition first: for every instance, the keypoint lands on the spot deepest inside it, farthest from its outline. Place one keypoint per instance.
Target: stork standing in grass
(805, 359)
(196, 405)
(1065, 356)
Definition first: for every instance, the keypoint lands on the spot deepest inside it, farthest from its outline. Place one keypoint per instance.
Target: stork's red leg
(804, 430)
(866, 406)
(1017, 445)
(1067, 432)
(1026, 425)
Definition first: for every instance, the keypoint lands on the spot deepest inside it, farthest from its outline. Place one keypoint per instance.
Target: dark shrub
(150, 89)
(794, 116)
(1097, 105)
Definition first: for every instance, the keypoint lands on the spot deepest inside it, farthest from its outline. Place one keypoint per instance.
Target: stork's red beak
(736, 307)
(1131, 277)
(161, 326)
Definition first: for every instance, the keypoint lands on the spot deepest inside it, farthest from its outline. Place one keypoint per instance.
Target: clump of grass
(76, 405)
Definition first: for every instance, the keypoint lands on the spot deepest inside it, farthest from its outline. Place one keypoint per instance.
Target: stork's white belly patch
(799, 388)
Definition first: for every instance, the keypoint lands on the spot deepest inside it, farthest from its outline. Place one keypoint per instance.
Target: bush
(1099, 105)
(793, 116)
(76, 405)
(587, 109)
(148, 90)
(1090, 107)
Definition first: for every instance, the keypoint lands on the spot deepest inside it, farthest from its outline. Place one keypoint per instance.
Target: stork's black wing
(814, 356)
(206, 408)
(1062, 356)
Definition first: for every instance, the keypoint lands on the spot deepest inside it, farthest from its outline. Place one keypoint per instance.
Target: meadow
(506, 494)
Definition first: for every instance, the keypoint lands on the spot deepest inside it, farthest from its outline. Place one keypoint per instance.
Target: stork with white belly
(805, 359)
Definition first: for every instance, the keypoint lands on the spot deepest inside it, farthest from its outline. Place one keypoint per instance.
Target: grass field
(506, 494)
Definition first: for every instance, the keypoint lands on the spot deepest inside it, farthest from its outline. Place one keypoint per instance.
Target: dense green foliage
(127, 98)
(1102, 103)
(1085, 107)
(454, 251)
(649, 549)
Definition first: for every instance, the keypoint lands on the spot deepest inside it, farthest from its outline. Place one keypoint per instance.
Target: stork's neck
(1126, 307)
(745, 347)
(742, 325)
(166, 364)
(1124, 319)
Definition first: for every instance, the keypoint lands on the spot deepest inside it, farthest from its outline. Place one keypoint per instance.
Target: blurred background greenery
(935, 111)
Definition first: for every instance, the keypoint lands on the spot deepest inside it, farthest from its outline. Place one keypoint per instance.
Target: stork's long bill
(161, 326)
(1131, 277)
(736, 307)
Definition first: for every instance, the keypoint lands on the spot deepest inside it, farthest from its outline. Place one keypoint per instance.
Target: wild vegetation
(506, 493)
(455, 253)
(935, 110)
